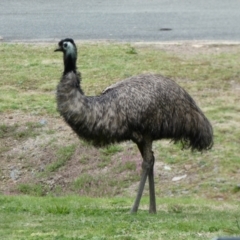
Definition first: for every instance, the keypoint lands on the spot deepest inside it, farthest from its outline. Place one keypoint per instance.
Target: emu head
(69, 49)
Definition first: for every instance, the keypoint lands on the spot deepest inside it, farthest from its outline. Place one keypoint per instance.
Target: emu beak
(58, 49)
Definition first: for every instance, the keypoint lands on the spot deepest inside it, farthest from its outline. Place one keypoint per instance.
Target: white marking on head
(69, 48)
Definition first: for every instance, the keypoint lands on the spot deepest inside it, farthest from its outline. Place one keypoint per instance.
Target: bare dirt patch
(25, 161)
(188, 49)
(23, 157)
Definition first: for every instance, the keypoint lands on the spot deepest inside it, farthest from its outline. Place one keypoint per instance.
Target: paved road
(122, 20)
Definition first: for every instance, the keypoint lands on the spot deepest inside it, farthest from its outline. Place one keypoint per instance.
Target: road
(121, 20)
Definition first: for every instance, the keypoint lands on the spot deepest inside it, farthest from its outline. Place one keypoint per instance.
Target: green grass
(20, 132)
(108, 218)
(64, 154)
(107, 153)
(96, 185)
(111, 150)
(31, 189)
(30, 72)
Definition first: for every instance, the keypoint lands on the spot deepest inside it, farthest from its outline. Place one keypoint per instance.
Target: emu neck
(69, 64)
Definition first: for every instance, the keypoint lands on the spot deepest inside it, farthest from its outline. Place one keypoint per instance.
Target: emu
(141, 108)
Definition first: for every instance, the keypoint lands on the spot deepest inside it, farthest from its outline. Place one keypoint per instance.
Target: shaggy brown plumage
(141, 108)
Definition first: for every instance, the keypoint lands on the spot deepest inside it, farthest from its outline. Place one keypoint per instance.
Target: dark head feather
(69, 49)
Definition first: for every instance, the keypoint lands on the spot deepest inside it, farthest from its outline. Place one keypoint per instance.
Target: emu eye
(65, 45)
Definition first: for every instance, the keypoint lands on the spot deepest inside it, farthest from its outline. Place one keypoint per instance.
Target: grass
(64, 154)
(31, 189)
(20, 132)
(202, 206)
(95, 186)
(108, 218)
(111, 150)
(29, 76)
(107, 153)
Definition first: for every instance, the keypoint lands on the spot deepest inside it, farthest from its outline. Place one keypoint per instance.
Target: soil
(192, 48)
(25, 160)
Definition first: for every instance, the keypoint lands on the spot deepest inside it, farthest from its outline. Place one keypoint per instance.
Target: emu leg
(140, 190)
(147, 170)
(152, 205)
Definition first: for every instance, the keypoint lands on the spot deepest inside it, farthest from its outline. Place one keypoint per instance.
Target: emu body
(141, 108)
